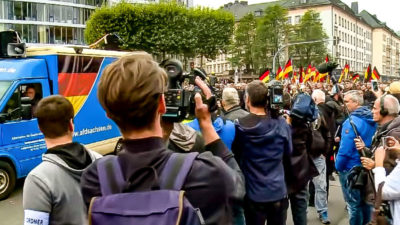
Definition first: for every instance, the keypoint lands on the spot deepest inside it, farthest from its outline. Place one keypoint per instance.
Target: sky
(386, 10)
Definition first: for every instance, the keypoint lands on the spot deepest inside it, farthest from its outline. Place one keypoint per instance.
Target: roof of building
(240, 9)
(374, 22)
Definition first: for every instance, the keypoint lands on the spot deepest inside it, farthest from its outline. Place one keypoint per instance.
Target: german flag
(375, 74)
(322, 77)
(279, 74)
(76, 78)
(355, 77)
(302, 75)
(308, 73)
(265, 77)
(344, 73)
(288, 68)
(368, 75)
(294, 77)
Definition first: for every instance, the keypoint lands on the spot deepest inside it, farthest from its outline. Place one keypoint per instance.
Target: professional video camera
(180, 102)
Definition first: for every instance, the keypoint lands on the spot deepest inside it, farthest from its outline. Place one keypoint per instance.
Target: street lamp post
(295, 43)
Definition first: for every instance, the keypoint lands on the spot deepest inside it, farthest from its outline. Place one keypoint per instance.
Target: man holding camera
(131, 90)
(261, 143)
(348, 156)
(385, 114)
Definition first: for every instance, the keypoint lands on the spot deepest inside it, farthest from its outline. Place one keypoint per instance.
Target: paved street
(11, 209)
(11, 212)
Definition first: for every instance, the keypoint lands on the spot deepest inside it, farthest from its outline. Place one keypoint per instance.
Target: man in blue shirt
(348, 156)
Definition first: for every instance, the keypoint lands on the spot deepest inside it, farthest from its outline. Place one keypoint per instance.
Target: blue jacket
(260, 146)
(225, 130)
(348, 156)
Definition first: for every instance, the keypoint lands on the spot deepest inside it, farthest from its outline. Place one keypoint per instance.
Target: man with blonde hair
(131, 90)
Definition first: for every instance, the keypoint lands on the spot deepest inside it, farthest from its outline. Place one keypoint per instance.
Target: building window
(258, 13)
(340, 21)
(289, 20)
(296, 19)
(335, 19)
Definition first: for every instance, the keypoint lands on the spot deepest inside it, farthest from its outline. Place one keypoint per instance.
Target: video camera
(275, 94)
(180, 101)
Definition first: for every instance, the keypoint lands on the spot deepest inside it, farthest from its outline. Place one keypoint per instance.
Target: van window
(4, 85)
(22, 103)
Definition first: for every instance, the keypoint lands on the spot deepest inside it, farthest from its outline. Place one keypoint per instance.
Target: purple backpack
(167, 206)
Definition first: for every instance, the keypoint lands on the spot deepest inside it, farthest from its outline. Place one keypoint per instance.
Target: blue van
(44, 71)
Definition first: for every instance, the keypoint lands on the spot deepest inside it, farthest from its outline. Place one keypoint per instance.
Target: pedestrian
(231, 105)
(261, 143)
(348, 156)
(303, 169)
(391, 182)
(51, 192)
(321, 145)
(131, 90)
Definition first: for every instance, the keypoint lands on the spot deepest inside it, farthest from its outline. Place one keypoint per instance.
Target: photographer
(385, 114)
(348, 156)
(131, 90)
(391, 183)
(261, 142)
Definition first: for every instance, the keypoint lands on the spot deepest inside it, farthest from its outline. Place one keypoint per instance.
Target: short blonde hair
(130, 88)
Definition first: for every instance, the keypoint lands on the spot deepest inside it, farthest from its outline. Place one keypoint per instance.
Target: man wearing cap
(231, 105)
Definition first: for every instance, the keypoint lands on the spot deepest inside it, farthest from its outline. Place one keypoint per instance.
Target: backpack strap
(176, 169)
(377, 205)
(110, 175)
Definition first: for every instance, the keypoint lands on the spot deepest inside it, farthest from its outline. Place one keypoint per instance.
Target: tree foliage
(309, 29)
(271, 33)
(165, 28)
(241, 49)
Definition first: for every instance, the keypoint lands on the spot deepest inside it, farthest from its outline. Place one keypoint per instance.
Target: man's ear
(247, 100)
(162, 106)
(71, 125)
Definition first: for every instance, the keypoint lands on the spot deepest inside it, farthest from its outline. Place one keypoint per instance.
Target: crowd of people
(241, 163)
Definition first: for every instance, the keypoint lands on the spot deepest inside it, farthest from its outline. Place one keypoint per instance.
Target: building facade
(47, 21)
(362, 42)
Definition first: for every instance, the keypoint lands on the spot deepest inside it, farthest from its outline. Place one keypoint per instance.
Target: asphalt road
(11, 212)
